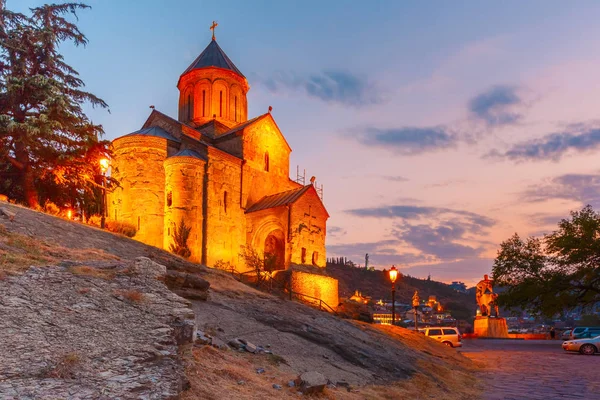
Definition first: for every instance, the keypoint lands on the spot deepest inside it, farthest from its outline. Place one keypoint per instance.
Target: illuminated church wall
(138, 166)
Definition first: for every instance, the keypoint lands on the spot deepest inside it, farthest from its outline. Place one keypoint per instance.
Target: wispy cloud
(397, 178)
(583, 188)
(332, 86)
(432, 233)
(336, 231)
(497, 106)
(412, 212)
(577, 138)
(407, 140)
(443, 240)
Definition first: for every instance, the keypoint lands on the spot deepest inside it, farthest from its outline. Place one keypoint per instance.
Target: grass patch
(83, 270)
(276, 360)
(134, 296)
(65, 368)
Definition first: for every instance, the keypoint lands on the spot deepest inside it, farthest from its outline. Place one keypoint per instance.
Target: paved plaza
(534, 369)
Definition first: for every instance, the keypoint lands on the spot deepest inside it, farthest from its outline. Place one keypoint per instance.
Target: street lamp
(393, 276)
(103, 169)
(415, 303)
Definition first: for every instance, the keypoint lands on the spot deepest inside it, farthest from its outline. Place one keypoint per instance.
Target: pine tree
(45, 136)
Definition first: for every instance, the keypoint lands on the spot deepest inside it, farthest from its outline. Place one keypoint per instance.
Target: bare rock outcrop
(99, 330)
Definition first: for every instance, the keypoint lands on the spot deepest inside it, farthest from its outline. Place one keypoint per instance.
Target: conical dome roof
(213, 56)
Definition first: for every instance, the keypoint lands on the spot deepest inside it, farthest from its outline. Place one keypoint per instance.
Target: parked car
(584, 346)
(448, 335)
(584, 332)
(566, 335)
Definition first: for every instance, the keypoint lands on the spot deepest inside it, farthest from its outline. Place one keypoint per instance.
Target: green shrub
(124, 228)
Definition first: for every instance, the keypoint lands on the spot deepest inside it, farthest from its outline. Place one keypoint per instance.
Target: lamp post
(415, 303)
(103, 169)
(393, 276)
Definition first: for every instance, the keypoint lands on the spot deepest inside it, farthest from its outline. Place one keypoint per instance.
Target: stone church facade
(225, 175)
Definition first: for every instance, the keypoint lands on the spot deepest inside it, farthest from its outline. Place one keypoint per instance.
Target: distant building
(459, 287)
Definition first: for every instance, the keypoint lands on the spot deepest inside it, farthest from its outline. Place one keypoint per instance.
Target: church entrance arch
(274, 250)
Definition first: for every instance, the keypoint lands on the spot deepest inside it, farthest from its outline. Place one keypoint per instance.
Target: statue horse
(487, 303)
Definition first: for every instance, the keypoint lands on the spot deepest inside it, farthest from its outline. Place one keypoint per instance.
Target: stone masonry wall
(226, 224)
(318, 286)
(183, 199)
(260, 138)
(138, 166)
(308, 229)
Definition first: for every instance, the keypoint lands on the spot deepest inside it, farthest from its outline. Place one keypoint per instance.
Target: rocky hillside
(95, 319)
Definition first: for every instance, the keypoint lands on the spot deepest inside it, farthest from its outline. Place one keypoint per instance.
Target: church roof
(188, 153)
(279, 199)
(213, 56)
(154, 131)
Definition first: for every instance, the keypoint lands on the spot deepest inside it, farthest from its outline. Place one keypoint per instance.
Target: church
(224, 175)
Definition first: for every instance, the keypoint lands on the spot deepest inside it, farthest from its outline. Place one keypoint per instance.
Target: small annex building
(224, 175)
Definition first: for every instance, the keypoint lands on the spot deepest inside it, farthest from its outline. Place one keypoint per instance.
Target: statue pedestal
(490, 327)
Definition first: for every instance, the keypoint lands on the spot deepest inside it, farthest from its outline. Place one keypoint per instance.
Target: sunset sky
(438, 129)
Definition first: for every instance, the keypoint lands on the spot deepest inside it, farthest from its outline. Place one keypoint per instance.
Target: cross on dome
(212, 28)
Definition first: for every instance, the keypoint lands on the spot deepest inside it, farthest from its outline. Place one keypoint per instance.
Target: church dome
(213, 88)
(213, 56)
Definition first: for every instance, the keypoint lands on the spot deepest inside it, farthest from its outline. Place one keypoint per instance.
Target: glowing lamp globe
(393, 274)
(104, 165)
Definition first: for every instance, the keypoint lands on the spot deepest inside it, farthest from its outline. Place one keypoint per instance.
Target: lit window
(303, 260)
(189, 107)
(315, 257)
(204, 103)
(169, 199)
(221, 103)
(267, 161)
(235, 108)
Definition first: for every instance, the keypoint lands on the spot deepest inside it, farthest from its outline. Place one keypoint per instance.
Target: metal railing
(283, 285)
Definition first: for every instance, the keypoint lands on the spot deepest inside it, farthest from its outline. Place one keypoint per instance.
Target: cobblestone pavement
(534, 369)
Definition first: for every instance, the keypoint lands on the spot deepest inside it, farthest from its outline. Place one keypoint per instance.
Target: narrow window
(204, 103)
(225, 202)
(315, 258)
(169, 231)
(169, 199)
(221, 103)
(138, 223)
(303, 260)
(235, 108)
(267, 161)
(189, 107)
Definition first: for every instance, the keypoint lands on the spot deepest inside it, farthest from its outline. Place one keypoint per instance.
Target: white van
(448, 335)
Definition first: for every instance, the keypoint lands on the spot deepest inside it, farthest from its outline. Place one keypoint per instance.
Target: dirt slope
(379, 362)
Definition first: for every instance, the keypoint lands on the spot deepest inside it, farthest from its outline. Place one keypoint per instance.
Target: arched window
(204, 103)
(315, 258)
(235, 109)
(303, 256)
(169, 199)
(221, 103)
(225, 201)
(267, 161)
(189, 107)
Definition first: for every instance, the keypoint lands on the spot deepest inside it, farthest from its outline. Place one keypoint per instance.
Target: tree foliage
(553, 274)
(49, 148)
